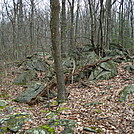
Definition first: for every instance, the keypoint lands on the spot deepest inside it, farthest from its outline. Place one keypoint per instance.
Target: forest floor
(107, 113)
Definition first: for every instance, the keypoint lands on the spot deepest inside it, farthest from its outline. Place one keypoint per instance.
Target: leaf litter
(95, 107)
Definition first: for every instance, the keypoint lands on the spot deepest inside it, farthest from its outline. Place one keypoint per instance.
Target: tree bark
(108, 23)
(31, 22)
(56, 49)
(63, 28)
(92, 24)
(77, 19)
(71, 4)
(100, 30)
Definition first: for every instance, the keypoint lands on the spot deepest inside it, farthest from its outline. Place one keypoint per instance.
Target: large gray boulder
(126, 91)
(37, 131)
(92, 57)
(130, 69)
(25, 77)
(104, 71)
(30, 94)
(15, 124)
(34, 64)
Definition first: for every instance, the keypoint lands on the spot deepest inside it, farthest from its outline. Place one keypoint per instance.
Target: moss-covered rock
(130, 69)
(104, 71)
(3, 103)
(126, 91)
(30, 93)
(37, 131)
(25, 77)
(15, 124)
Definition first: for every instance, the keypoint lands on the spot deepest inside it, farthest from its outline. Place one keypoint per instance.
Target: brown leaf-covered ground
(111, 116)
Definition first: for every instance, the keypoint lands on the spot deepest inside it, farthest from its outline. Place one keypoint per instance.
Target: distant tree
(32, 22)
(20, 22)
(71, 4)
(56, 49)
(108, 24)
(77, 19)
(100, 30)
(92, 24)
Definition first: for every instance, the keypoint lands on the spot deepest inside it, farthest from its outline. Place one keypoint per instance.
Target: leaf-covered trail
(91, 104)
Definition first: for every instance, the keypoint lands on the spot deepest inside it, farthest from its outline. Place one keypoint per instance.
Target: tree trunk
(63, 28)
(108, 23)
(72, 23)
(122, 24)
(100, 31)
(56, 49)
(132, 19)
(77, 19)
(92, 24)
(31, 23)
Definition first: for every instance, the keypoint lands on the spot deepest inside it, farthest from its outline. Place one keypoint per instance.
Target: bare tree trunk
(92, 24)
(122, 25)
(63, 28)
(77, 19)
(108, 23)
(31, 24)
(20, 22)
(20, 28)
(56, 49)
(132, 19)
(2, 47)
(72, 23)
(100, 31)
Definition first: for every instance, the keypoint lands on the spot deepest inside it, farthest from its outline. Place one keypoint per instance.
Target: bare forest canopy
(25, 26)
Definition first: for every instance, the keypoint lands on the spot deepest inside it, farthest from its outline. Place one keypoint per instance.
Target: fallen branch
(77, 72)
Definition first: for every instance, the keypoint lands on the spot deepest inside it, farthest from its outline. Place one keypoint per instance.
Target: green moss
(18, 115)
(131, 105)
(61, 109)
(4, 95)
(93, 103)
(132, 124)
(98, 130)
(2, 107)
(48, 128)
(3, 130)
(30, 109)
(54, 103)
(98, 111)
(43, 111)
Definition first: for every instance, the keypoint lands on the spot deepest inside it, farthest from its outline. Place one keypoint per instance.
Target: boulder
(67, 130)
(113, 53)
(25, 77)
(15, 124)
(3, 103)
(30, 94)
(126, 91)
(104, 71)
(37, 131)
(66, 123)
(130, 69)
(34, 64)
(92, 57)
